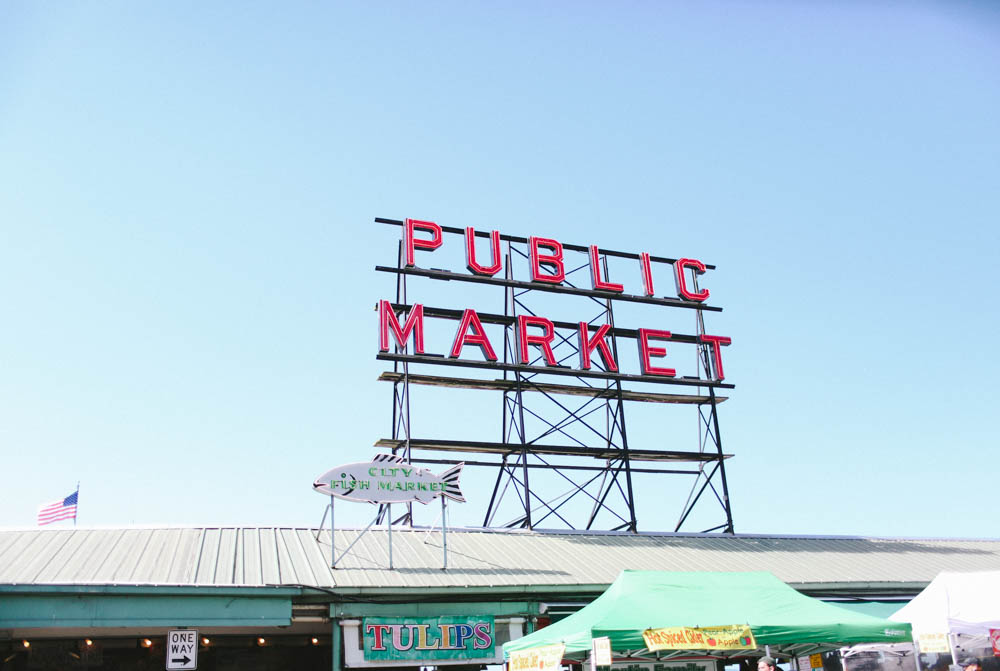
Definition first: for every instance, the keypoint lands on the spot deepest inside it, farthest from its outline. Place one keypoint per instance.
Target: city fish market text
(389, 479)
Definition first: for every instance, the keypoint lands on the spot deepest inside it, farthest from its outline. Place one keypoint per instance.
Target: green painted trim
(466, 591)
(143, 590)
(859, 586)
(430, 609)
(69, 610)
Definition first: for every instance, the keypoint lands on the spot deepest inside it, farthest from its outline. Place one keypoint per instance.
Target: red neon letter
(523, 339)
(716, 342)
(598, 341)
(470, 253)
(477, 337)
(646, 351)
(554, 259)
(387, 323)
(647, 273)
(595, 273)
(377, 630)
(682, 290)
(409, 242)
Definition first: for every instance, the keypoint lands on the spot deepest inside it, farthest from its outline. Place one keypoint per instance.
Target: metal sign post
(388, 521)
(444, 532)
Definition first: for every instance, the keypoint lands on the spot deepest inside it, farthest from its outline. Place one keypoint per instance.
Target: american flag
(63, 509)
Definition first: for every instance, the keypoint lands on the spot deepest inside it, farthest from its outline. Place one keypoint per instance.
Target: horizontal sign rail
(450, 275)
(549, 467)
(566, 389)
(535, 448)
(550, 370)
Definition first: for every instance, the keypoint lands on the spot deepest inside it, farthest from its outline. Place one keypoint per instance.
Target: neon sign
(535, 335)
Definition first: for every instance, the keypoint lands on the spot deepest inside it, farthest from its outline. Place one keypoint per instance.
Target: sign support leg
(333, 546)
(388, 521)
(444, 533)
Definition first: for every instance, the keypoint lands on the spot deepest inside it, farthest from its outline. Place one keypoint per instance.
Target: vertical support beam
(722, 463)
(333, 544)
(510, 309)
(620, 420)
(335, 645)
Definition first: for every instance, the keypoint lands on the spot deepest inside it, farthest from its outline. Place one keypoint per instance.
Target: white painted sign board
(182, 649)
(600, 653)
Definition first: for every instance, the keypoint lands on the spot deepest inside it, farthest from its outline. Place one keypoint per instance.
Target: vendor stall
(955, 614)
(659, 615)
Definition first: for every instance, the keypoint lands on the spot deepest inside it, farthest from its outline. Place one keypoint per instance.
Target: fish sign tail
(450, 479)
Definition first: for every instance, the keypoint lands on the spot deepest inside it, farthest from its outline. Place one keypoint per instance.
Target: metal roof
(487, 559)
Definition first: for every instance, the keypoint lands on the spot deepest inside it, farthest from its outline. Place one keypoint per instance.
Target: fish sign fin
(450, 480)
(388, 458)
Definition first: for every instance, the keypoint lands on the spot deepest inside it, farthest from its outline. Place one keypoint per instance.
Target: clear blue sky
(187, 249)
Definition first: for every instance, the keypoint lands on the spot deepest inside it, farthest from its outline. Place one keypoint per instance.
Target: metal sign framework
(562, 443)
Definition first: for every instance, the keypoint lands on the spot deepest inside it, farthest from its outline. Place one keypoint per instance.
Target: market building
(267, 598)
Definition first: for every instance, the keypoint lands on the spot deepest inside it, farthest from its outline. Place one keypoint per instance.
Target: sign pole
(444, 533)
(333, 547)
(388, 520)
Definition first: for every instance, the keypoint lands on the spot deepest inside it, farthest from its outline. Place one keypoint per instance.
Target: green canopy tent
(790, 623)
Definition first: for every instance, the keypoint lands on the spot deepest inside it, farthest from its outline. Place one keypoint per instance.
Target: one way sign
(182, 649)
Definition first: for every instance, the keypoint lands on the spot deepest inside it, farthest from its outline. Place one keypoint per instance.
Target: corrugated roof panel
(124, 550)
(208, 552)
(252, 574)
(225, 563)
(154, 564)
(42, 553)
(8, 541)
(317, 553)
(55, 570)
(269, 572)
(89, 565)
(302, 547)
(184, 559)
(130, 555)
(300, 570)
(225, 556)
(287, 568)
(239, 558)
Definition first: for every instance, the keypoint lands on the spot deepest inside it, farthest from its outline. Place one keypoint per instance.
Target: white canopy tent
(960, 607)
(955, 603)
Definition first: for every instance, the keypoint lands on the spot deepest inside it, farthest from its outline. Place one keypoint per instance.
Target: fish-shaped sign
(389, 478)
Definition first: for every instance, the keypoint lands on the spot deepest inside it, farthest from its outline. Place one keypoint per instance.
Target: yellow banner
(545, 658)
(933, 643)
(728, 637)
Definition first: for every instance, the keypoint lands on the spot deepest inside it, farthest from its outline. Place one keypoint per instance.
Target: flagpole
(77, 503)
